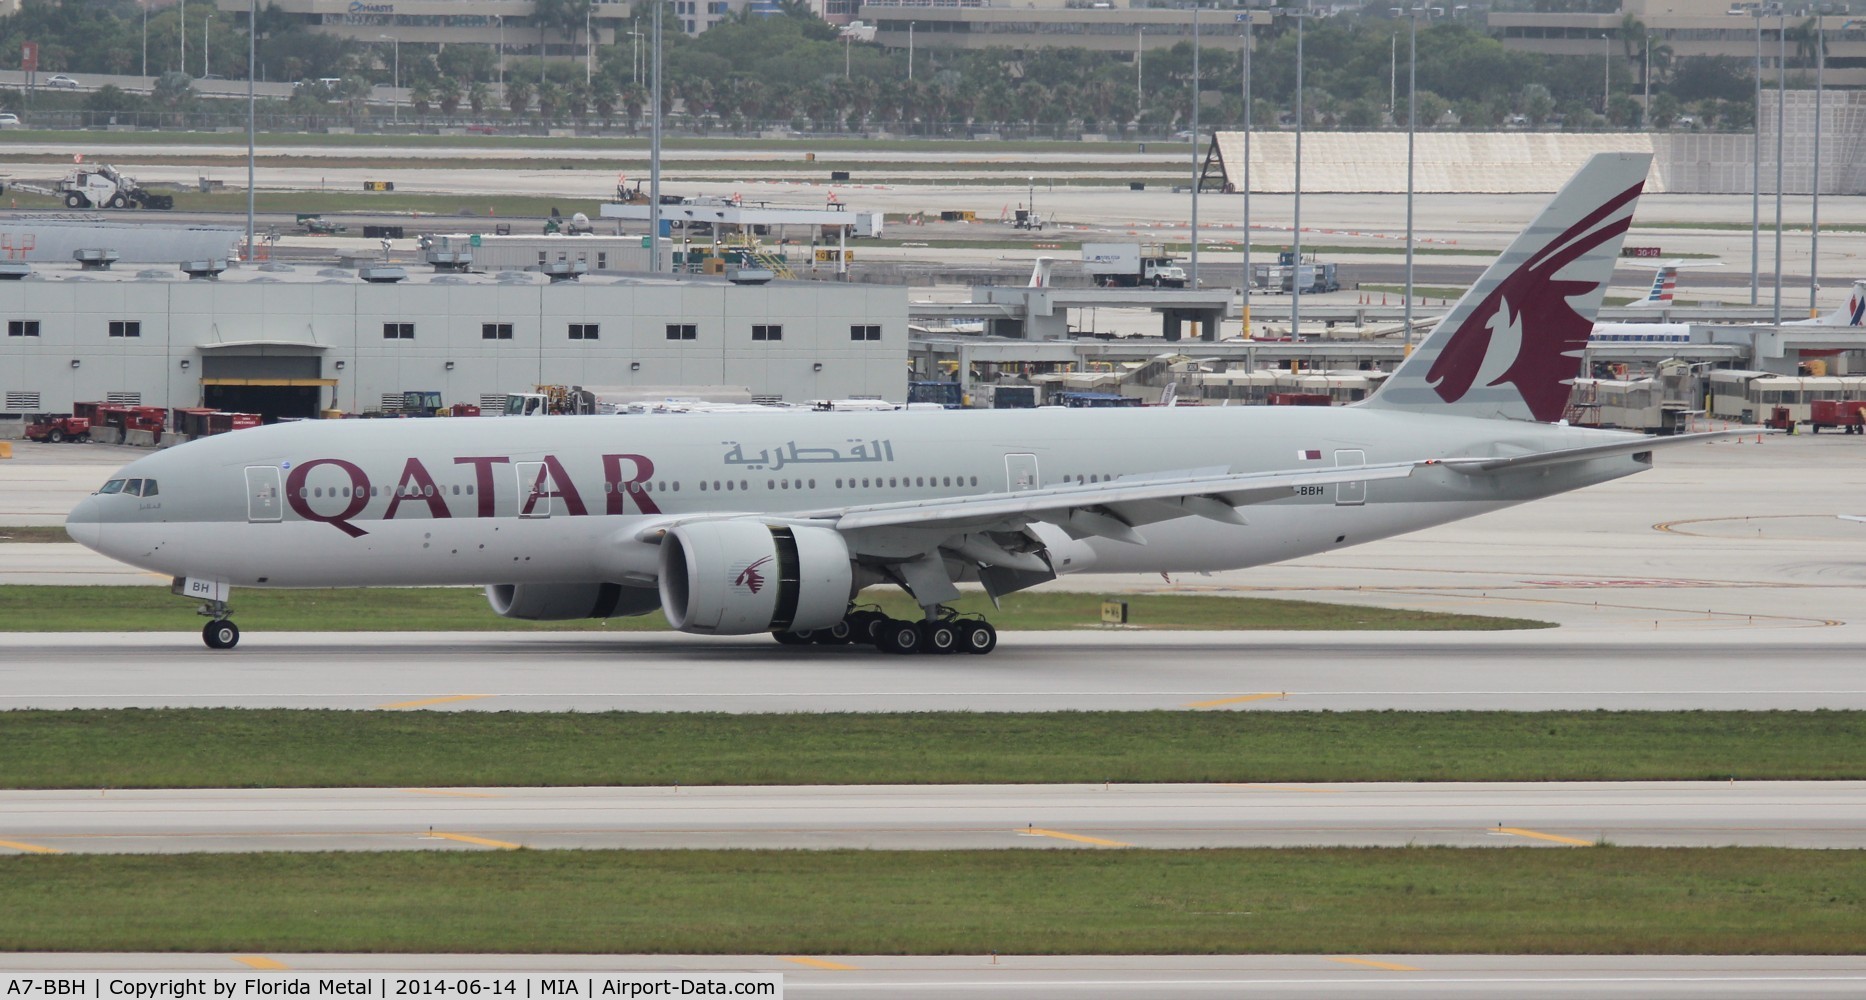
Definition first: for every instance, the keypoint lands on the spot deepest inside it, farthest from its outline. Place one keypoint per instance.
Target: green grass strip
(232, 748)
(154, 609)
(1380, 901)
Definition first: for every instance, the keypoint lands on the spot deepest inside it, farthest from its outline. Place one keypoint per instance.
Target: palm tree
(477, 97)
(550, 99)
(422, 97)
(517, 97)
(448, 93)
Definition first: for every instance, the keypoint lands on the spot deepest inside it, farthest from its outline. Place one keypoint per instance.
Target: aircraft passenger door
(534, 489)
(1020, 473)
(264, 495)
(1350, 494)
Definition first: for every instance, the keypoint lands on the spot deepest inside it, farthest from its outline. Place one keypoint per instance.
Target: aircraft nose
(84, 525)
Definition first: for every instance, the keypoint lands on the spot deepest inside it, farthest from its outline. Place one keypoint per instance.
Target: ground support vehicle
(55, 429)
(1128, 265)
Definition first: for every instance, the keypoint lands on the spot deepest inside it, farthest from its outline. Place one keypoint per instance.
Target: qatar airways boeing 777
(735, 523)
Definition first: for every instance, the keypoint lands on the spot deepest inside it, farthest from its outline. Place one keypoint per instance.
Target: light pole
(1412, 119)
(1192, 262)
(206, 22)
(589, 45)
(1606, 76)
(252, 62)
(910, 50)
(1755, 170)
(845, 55)
(1645, 75)
(181, 36)
(1140, 93)
(1250, 31)
(1814, 229)
(1295, 276)
(1781, 129)
(634, 64)
(654, 145)
(501, 18)
(145, 4)
(395, 80)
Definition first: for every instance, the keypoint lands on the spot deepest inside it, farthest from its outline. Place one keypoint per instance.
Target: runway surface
(1115, 977)
(1830, 814)
(1032, 671)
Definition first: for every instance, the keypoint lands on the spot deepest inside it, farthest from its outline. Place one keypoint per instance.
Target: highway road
(1815, 814)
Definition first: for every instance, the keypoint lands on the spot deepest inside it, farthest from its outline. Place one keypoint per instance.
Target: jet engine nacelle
(743, 576)
(549, 602)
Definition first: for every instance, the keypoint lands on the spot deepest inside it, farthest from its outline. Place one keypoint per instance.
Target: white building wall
(345, 320)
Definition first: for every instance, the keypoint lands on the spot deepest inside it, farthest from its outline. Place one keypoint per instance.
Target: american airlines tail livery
(738, 523)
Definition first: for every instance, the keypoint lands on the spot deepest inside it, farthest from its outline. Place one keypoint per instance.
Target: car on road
(482, 129)
(9, 120)
(62, 82)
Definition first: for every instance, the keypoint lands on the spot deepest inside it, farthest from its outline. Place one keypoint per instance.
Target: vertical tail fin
(1040, 272)
(1851, 314)
(1664, 284)
(1511, 347)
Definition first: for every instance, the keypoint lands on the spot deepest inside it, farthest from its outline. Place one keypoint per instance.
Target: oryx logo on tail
(1520, 332)
(1511, 347)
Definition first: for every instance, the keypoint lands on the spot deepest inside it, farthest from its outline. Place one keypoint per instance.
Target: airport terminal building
(292, 341)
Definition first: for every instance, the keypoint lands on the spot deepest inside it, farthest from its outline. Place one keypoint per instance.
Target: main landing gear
(943, 631)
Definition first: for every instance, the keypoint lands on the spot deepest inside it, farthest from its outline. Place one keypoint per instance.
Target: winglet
(1511, 347)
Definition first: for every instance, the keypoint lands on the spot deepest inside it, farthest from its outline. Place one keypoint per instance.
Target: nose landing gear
(220, 634)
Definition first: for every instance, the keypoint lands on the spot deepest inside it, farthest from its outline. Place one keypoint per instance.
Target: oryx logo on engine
(750, 578)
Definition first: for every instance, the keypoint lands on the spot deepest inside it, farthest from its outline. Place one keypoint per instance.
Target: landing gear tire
(896, 636)
(939, 637)
(220, 634)
(794, 638)
(865, 626)
(838, 634)
(977, 637)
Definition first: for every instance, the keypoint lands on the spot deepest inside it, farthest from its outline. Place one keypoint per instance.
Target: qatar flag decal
(1310, 455)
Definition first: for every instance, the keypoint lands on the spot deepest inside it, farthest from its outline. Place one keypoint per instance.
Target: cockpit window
(113, 486)
(149, 487)
(133, 488)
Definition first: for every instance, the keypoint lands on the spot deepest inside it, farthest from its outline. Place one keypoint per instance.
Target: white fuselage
(498, 501)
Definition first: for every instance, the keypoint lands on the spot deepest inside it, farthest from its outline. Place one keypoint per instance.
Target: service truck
(1125, 265)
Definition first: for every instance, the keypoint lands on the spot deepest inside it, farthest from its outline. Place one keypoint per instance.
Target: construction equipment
(100, 185)
(314, 225)
(423, 403)
(1288, 274)
(55, 429)
(577, 225)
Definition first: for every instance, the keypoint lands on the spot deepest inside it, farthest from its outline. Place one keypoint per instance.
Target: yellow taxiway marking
(1032, 831)
(1239, 700)
(503, 845)
(423, 703)
(1389, 966)
(30, 848)
(818, 963)
(260, 962)
(451, 794)
(1535, 835)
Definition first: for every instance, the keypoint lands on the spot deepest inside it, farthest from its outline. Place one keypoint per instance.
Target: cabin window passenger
(974, 480)
(864, 482)
(813, 484)
(770, 484)
(456, 490)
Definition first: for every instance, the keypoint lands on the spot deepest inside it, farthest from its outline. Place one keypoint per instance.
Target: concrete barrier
(139, 438)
